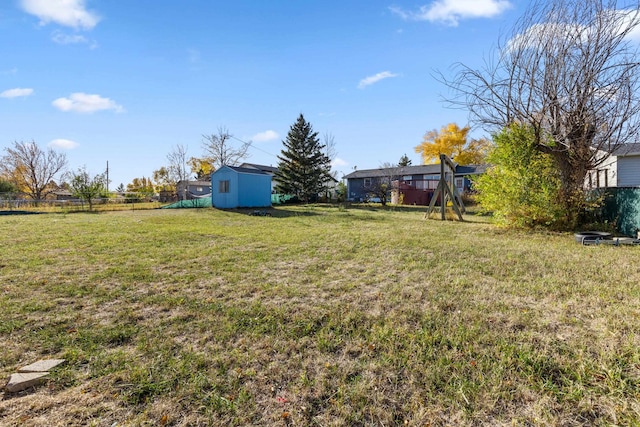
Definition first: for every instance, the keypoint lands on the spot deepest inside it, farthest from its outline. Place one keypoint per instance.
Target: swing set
(446, 191)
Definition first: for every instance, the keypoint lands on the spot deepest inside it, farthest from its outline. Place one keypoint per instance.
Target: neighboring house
(188, 190)
(416, 184)
(620, 169)
(240, 187)
(63, 195)
(271, 170)
(619, 176)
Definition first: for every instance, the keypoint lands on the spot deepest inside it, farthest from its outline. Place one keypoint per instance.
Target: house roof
(263, 168)
(240, 169)
(627, 150)
(198, 183)
(414, 170)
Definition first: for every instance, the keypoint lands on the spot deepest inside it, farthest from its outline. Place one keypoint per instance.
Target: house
(240, 187)
(63, 194)
(416, 184)
(620, 169)
(188, 190)
(618, 180)
(271, 170)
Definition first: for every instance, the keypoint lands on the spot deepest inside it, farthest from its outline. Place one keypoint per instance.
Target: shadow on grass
(19, 213)
(301, 210)
(274, 212)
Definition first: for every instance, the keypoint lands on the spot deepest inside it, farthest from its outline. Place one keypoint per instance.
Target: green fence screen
(622, 207)
(204, 202)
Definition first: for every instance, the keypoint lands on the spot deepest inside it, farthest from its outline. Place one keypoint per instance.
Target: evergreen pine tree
(303, 168)
(404, 161)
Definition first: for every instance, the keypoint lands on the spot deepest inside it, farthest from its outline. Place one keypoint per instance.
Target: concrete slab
(42, 365)
(23, 381)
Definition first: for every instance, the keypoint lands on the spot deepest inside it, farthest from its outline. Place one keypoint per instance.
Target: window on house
(367, 182)
(223, 186)
(459, 182)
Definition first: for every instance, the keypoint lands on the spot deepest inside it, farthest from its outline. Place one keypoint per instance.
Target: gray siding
(629, 171)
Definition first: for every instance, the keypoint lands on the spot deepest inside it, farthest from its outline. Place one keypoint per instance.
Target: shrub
(521, 187)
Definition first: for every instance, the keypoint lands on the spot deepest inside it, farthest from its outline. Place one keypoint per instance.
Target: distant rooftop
(264, 168)
(627, 150)
(414, 170)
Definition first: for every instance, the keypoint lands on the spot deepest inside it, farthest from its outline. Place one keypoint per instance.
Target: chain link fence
(15, 203)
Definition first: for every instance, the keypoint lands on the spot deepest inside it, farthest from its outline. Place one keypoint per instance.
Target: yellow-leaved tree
(452, 141)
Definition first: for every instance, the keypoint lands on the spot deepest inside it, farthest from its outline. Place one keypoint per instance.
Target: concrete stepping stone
(23, 381)
(31, 375)
(42, 365)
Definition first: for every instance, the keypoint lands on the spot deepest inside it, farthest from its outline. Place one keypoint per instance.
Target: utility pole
(107, 176)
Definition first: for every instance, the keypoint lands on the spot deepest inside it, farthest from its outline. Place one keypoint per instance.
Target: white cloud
(268, 135)
(86, 103)
(65, 144)
(375, 79)
(451, 12)
(630, 19)
(70, 13)
(16, 93)
(61, 38)
(337, 162)
(625, 20)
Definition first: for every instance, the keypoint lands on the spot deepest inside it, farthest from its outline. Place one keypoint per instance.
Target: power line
(250, 144)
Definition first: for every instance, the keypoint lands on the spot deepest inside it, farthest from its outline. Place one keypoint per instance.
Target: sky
(124, 81)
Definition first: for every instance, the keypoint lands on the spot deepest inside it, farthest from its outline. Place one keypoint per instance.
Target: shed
(237, 187)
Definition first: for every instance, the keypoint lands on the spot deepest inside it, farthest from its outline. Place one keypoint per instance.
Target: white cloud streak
(16, 93)
(450, 12)
(69, 13)
(86, 103)
(268, 135)
(337, 162)
(626, 20)
(62, 38)
(64, 144)
(367, 81)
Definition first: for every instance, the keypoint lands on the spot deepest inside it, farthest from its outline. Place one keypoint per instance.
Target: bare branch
(31, 169)
(220, 151)
(569, 71)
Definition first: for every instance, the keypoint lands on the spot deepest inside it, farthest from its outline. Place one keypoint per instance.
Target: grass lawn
(315, 316)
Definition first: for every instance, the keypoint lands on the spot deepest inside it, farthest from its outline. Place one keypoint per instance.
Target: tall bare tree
(570, 70)
(167, 177)
(178, 163)
(31, 169)
(220, 150)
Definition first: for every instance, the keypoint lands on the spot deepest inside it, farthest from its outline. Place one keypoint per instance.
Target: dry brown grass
(315, 316)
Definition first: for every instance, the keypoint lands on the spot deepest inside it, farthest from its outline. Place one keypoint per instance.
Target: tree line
(304, 167)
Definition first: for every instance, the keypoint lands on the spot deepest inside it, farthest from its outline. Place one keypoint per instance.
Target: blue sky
(124, 81)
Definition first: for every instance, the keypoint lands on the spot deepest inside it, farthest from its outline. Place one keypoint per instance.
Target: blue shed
(237, 187)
